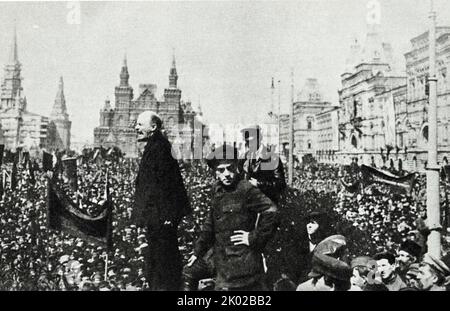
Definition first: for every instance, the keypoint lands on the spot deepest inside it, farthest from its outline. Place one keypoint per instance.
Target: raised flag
(13, 181)
(70, 173)
(47, 162)
(445, 173)
(63, 215)
(376, 175)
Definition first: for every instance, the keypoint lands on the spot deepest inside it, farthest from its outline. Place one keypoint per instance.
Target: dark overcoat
(160, 193)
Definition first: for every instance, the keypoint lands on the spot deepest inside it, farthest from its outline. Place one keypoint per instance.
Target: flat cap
(361, 261)
(437, 264)
(412, 248)
(221, 155)
(332, 246)
(324, 265)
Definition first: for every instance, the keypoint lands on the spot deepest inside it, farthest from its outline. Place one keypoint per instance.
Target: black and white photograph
(224, 146)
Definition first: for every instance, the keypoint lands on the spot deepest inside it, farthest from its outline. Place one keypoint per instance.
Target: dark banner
(69, 174)
(63, 215)
(445, 173)
(47, 162)
(13, 180)
(375, 175)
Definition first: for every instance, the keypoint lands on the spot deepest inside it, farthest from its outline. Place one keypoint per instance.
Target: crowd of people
(374, 222)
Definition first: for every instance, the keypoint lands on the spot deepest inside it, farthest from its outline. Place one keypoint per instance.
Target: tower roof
(124, 75)
(59, 107)
(14, 56)
(173, 77)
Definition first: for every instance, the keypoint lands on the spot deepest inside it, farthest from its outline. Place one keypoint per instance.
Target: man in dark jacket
(261, 166)
(160, 203)
(239, 225)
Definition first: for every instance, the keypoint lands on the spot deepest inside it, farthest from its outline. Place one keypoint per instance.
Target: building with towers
(366, 116)
(18, 126)
(315, 125)
(383, 117)
(59, 121)
(183, 126)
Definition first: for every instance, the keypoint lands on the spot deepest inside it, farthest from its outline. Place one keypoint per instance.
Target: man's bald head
(147, 123)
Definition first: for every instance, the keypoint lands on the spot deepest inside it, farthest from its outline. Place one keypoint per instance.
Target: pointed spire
(272, 90)
(124, 75)
(173, 58)
(107, 104)
(61, 85)
(173, 77)
(59, 108)
(14, 57)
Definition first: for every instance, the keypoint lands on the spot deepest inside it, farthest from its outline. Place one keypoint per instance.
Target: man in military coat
(240, 223)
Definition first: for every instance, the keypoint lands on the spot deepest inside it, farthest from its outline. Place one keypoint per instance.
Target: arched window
(309, 144)
(425, 133)
(309, 121)
(354, 142)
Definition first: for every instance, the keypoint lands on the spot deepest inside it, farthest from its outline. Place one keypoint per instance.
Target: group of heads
(226, 161)
(331, 266)
(223, 160)
(369, 273)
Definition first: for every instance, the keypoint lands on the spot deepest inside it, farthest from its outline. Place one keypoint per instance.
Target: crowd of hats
(35, 258)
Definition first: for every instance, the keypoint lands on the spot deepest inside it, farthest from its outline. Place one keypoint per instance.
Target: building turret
(124, 92)
(173, 77)
(12, 83)
(60, 118)
(124, 75)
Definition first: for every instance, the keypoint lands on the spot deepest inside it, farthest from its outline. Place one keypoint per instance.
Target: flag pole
(291, 134)
(279, 118)
(433, 208)
(106, 200)
(106, 266)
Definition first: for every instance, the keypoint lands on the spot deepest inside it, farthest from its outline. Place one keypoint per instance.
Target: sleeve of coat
(267, 219)
(206, 238)
(146, 212)
(169, 179)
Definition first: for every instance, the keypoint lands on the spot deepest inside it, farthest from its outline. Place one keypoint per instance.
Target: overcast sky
(226, 51)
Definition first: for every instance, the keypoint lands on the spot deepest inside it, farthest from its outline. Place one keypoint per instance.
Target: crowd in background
(373, 219)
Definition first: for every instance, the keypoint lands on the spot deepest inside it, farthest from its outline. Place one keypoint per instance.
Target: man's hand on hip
(240, 238)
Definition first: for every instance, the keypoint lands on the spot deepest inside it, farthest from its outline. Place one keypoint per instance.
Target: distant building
(182, 124)
(367, 116)
(314, 130)
(59, 121)
(412, 117)
(20, 127)
(383, 118)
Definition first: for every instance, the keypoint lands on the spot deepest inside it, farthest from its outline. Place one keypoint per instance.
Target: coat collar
(157, 135)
